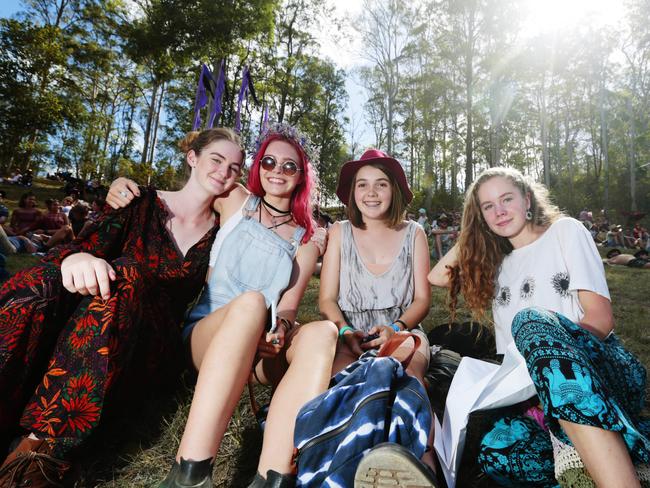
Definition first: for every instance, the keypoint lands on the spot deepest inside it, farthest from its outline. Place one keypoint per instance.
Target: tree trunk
(604, 143)
(156, 122)
(544, 136)
(469, 81)
(150, 116)
(568, 143)
(632, 156)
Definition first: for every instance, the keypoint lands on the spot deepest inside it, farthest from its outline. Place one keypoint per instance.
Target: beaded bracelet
(344, 329)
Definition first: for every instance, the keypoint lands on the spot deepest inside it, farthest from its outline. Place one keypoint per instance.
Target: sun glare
(558, 15)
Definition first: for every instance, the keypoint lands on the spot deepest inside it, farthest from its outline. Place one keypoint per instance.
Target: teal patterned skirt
(579, 378)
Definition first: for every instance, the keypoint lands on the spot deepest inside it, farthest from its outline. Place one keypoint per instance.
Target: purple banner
(201, 99)
(218, 96)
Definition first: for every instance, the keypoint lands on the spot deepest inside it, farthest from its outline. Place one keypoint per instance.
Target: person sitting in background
(27, 178)
(4, 211)
(53, 228)
(97, 208)
(25, 218)
(12, 244)
(637, 260)
(628, 238)
(78, 217)
(15, 177)
(423, 220)
(615, 236)
(53, 219)
(66, 204)
(324, 221)
(640, 236)
(444, 235)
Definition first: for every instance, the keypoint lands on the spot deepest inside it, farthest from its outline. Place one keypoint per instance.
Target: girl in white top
(545, 281)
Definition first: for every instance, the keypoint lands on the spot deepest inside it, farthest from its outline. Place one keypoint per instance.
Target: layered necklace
(276, 220)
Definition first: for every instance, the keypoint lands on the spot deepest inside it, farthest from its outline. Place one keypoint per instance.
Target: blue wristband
(395, 327)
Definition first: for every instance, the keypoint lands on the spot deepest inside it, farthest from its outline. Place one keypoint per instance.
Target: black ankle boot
(277, 480)
(189, 474)
(258, 482)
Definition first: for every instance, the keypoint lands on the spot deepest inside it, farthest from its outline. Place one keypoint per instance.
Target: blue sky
(9, 7)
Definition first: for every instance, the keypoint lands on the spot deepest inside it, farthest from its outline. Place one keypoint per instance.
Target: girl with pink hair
(260, 265)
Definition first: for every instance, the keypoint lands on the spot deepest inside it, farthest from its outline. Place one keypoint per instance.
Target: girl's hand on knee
(121, 192)
(88, 275)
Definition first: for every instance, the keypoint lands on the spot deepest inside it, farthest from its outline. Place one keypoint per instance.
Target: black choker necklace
(281, 212)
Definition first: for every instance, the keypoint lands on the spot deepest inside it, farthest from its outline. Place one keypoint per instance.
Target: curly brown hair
(480, 251)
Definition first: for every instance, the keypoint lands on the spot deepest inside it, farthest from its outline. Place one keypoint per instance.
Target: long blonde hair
(480, 251)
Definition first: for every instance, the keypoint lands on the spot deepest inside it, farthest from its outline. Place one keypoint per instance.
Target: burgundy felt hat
(349, 169)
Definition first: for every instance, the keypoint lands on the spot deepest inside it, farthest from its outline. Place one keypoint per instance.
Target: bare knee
(252, 300)
(319, 335)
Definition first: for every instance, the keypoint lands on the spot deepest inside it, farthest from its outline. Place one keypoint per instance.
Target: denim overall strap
(251, 205)
(297, 236)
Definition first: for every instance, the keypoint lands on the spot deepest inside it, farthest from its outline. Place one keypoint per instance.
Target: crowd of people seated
(18, 177)
(608, 234)
(30, 229)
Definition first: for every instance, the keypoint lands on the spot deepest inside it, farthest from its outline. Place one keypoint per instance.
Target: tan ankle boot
(31, 464)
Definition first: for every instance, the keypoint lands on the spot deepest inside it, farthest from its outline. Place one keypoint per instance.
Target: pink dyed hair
(301, 201)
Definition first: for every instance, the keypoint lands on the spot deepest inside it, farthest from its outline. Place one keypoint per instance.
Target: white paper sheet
(478, 385)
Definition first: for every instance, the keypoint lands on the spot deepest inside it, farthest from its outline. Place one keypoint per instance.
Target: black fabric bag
(458, 340)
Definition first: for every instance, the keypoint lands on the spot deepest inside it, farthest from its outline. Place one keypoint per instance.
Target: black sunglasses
(289, 168)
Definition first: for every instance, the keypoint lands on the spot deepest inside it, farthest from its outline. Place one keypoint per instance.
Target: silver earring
(529, 215)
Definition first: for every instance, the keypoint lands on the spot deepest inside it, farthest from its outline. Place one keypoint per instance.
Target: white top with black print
(548, 273)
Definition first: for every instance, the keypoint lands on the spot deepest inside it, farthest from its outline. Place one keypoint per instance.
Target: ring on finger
(124, 194)
(275, 342)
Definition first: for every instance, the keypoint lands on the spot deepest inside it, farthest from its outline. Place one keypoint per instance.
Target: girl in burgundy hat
(374, 274)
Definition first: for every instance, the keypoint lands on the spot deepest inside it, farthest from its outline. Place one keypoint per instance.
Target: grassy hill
(136, 445)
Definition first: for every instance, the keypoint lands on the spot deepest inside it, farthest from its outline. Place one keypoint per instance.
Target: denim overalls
(252, 258)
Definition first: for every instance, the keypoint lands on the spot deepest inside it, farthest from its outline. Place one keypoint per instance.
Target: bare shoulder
(335, 229)
(232, 200)
(419, 231)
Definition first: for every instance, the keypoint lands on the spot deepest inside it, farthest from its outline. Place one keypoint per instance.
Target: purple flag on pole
(201, 98)
(242, 93)
(218, 96)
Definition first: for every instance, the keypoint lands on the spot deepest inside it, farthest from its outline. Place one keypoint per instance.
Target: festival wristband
(399, 321)
(395, 327)
(344, 330)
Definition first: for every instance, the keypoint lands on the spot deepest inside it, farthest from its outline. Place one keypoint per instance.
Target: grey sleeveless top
(367, 299)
